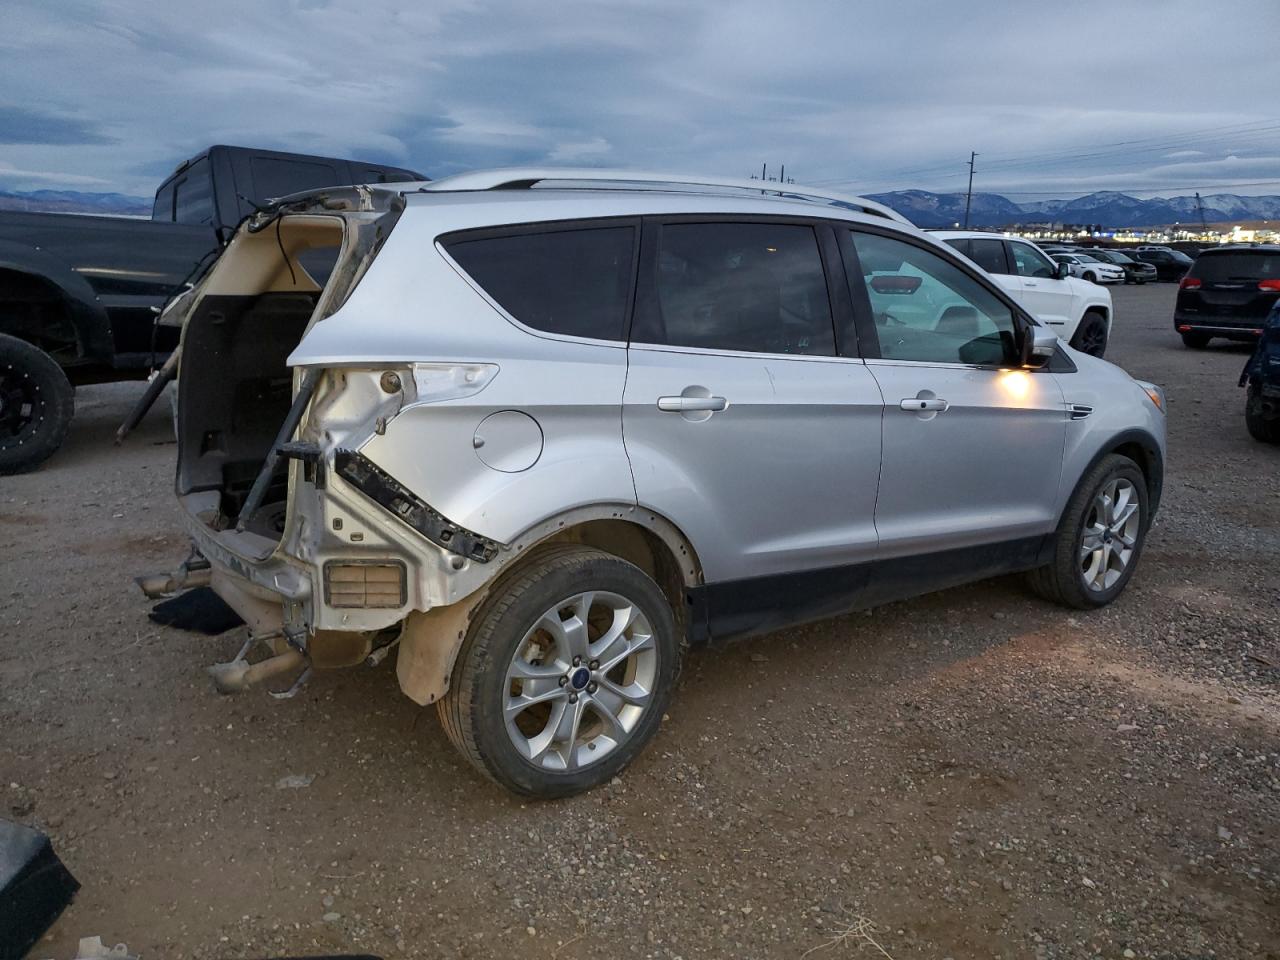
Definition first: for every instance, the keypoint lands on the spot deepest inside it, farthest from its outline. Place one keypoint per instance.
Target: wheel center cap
(1106, 537)
(580, 678)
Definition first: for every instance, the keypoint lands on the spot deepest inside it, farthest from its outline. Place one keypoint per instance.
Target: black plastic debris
(199, 610)
(34, 888)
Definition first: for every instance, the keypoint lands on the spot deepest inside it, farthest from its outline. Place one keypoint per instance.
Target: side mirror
(1063, 271)
(1038, 345)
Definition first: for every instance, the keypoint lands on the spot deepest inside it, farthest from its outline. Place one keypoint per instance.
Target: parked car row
(1090, 268)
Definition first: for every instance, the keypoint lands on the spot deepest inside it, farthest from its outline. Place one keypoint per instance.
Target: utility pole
(969, 194)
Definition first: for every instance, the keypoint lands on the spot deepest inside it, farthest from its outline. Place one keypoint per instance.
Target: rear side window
(571, 282)
(1252, 265)
(193, 195)
(163, 208)
(754, 287)
(989, 255)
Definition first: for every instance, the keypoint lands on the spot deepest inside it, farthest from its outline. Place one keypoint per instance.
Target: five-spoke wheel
(564, 673)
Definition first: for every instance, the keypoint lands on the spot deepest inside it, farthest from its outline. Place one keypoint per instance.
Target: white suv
(535, 436)
(1076, 310)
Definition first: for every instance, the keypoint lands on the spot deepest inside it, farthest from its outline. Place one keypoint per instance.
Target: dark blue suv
(1262, 376)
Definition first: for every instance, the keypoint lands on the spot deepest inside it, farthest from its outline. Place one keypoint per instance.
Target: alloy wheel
(580, 681)
(1110, 535)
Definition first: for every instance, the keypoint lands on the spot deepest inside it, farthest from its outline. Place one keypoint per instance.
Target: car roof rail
(516, 178)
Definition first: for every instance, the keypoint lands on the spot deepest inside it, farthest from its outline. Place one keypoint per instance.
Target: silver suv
(537, 431)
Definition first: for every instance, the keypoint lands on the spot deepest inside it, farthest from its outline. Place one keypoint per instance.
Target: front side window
(756, 287)
(1030, 262)
(573, 282)
(927, 309)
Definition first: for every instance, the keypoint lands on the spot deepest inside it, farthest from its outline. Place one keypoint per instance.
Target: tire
(1091, 335)
(36, 404)
(528, 755)
(1196, 341)
(1261, 428)
(1090, 277)
(1075, 578)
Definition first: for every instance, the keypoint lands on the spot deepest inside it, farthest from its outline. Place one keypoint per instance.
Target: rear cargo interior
(234, 385)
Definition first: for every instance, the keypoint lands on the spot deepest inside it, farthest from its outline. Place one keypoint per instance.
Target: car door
(744, 426)
(1044, 296)
(972, 447)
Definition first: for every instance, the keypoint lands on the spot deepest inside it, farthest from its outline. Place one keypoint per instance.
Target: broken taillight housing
(361, 583)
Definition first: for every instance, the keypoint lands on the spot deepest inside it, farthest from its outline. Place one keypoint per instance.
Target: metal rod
(291, 421)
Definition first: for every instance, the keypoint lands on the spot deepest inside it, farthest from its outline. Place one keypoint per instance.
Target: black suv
(1169, 264)
(1228, 293)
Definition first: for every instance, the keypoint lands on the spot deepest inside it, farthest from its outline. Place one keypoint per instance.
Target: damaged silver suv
(534, 432)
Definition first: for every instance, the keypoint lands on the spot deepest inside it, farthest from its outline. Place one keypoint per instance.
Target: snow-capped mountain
(1108, 208)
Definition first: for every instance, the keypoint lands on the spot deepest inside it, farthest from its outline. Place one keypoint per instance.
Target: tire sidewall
(1112, 469)
(55, 403)
(505, 628)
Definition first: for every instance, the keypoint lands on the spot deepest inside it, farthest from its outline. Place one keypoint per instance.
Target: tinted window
(1238, 265)
(574, 282)
(758, 287)
(274, 178)
(989, 255)
(163, 207)
(928, 309)
(1030, 262)
(193, 194)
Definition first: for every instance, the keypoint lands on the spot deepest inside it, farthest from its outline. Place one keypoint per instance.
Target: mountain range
(75, 201)
(1108, 208)
(925, 209)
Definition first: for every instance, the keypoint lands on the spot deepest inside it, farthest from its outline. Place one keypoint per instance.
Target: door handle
(918, 404)
(691, 404)
(1030, 283)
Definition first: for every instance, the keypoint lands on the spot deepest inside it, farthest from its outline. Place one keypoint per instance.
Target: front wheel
(1262, 428)
(1099, 539)
(1091, 336)
(36, 404)
(564, 674)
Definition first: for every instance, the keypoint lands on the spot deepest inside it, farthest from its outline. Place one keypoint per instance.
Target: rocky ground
(975, 774)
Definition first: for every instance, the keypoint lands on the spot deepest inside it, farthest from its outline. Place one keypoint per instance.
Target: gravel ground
(972, 774)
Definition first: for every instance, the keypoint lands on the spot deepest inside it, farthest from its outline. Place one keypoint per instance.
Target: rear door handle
(917, 404)
(691, 404)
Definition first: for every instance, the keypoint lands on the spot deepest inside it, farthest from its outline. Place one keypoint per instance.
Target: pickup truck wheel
(564, 673)
(1099, 538)
(1196, 341)
(1091, 336)
(36, 404)
(1262, 428)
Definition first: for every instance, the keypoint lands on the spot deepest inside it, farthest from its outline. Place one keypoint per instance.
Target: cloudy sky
(1058, 99)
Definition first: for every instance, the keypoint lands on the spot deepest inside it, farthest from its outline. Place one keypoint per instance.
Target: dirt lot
(974, 774)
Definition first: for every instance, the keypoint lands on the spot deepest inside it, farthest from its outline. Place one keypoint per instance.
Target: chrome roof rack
(516, 178)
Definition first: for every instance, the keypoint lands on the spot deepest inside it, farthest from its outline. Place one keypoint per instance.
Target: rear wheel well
(34, 310)
(642, 547)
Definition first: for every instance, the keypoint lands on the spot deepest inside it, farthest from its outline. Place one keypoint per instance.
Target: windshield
(1238, 265)
(1085, 258)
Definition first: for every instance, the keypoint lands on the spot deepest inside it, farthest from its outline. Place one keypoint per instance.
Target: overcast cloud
(111, 94)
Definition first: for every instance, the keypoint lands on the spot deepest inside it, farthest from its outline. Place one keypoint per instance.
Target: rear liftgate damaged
(240, 324)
